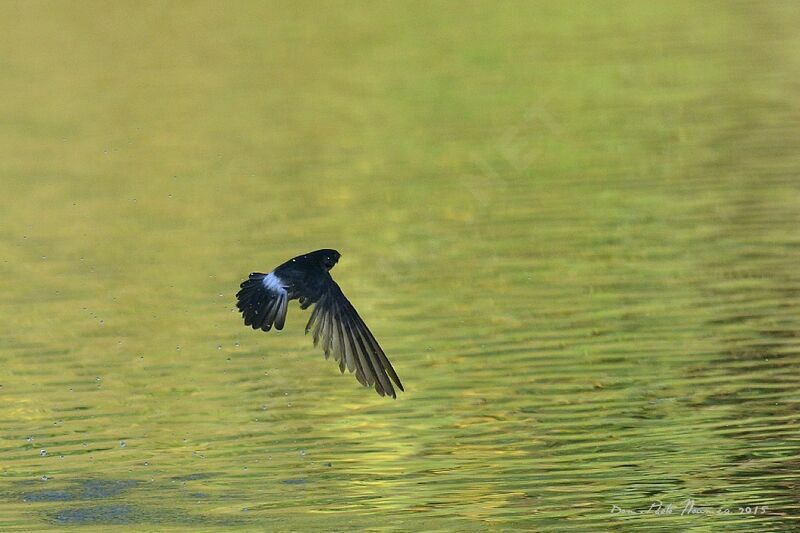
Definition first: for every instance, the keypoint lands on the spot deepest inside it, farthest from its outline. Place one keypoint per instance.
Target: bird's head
(326, 257)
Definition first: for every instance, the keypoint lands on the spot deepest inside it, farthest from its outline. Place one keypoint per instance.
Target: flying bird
(263, 301)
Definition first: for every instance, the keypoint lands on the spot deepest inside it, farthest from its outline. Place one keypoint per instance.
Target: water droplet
(302, 452)
(45, 478)
(43, 452)
(219, 346)
(122, 444)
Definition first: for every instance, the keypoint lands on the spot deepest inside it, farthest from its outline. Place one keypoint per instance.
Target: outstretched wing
(263, 300)
(337, 325)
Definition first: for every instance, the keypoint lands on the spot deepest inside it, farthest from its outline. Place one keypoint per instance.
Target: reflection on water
(574, 231)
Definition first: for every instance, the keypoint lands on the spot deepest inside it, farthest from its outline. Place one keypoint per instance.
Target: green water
(574, 228)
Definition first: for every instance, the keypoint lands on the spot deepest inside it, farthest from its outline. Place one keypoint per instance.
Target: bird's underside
(334, 322)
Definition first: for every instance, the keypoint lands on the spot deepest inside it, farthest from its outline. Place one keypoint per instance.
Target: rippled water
(574, 230)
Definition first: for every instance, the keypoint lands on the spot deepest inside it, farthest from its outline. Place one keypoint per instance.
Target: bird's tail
(262, 304)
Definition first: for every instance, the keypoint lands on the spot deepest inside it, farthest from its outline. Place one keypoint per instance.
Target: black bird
(263, 300)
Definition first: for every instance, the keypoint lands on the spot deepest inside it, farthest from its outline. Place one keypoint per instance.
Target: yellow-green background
(574, 227)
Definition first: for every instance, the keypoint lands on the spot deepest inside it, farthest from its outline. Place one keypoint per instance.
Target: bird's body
(263, 300)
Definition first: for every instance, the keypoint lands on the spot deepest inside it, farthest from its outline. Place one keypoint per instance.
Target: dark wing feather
(343, 334)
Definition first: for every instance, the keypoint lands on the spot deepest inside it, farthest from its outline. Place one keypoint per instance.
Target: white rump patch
(273, 283)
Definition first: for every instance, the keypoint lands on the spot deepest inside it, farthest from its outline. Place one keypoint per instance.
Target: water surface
(574, 230)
